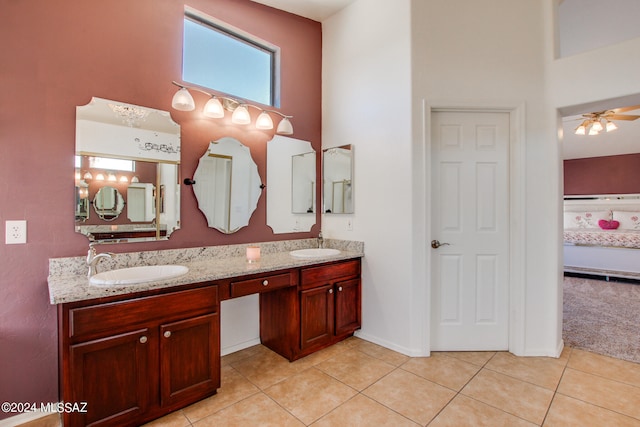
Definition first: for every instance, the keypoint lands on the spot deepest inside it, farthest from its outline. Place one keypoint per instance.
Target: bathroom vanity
(134, 353)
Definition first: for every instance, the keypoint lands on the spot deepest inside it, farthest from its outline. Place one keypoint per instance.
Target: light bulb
(241, 116)
(213, 108)
(264, 121)
(183, 100)
(285, 127)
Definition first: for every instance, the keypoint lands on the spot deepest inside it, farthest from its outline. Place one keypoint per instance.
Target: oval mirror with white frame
(133, 154)
(227, 185)
(337, 180)
(291, 190)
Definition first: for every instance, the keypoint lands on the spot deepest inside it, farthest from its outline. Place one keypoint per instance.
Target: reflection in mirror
(291, 190)
(227, 185)
(303, 183)
(108, 203)
(337, 179)
(127, 166)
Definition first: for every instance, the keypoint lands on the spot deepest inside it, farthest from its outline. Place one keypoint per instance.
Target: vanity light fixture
(241, 115)
(216, 106)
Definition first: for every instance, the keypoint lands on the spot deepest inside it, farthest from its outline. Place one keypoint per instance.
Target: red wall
(602, 175)
(57, 55)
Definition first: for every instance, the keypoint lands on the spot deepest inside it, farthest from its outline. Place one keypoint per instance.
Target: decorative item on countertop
(253, 254)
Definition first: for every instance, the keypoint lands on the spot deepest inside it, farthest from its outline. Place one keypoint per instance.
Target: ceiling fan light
(611, 126)
(581, 130)
(593, 131)
(597, 126)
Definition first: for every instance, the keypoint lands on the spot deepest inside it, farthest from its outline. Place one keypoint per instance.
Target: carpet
(602, 317)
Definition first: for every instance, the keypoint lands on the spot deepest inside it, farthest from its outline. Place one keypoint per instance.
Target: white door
(470, 221)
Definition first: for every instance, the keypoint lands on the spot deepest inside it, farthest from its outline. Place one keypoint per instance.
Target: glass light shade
(112, 177)
(135, 179)
(264, 121)
(285, 127)
(593, 131)
(124, 178)
(581, 130)
(100, 177)
(183, 100)
(611, 126)
(87, 175)
(213, 108)
(241, 116)
(597, 126)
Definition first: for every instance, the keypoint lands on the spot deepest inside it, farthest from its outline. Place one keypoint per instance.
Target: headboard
(589, 209)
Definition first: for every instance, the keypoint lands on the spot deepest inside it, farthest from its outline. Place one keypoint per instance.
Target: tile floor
(357, 383)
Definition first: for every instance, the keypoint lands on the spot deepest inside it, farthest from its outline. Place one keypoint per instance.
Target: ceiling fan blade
(621, 117)
(623, 109)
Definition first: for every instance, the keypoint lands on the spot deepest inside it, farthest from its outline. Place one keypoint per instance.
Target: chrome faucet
(320, 240)
(93, 258)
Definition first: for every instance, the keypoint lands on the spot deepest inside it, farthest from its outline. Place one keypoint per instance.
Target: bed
(602, 235)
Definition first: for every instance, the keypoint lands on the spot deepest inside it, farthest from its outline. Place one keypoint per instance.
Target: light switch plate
(15, 232)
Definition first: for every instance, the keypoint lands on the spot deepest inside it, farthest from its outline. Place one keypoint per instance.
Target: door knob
(436, 244)
(167, 334)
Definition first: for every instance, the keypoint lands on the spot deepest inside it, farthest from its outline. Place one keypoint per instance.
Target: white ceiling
(624, 140)
(317, 10)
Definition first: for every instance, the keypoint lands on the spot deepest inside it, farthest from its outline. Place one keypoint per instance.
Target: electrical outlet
(15, 232)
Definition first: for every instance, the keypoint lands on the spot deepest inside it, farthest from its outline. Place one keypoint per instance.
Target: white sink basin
(132, 275)
(314, 253)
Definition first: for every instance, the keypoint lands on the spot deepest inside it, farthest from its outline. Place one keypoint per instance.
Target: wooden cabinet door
(111, 375)
(348, 316)
(189, 359)
(317, 316)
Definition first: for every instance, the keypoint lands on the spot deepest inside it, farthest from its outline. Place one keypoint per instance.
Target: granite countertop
(68, 279)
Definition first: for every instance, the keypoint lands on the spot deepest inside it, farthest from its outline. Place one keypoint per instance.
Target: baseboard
(237, 347)
(389, 345)
(33, 419)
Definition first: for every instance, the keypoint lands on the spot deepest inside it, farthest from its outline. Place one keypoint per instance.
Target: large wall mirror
(337, 179)
(126, 172)
(227, 185)
(291, 189)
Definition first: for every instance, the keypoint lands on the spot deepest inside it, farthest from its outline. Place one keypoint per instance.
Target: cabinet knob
(339, 288)
(143, 339)
(330, 291)
(167, 334)
(265, 282)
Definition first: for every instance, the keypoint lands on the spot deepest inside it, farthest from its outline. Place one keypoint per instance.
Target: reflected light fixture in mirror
(214, 108)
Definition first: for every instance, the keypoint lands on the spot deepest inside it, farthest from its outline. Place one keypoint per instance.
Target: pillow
(608, 225)
(584, 219)
(628, 220)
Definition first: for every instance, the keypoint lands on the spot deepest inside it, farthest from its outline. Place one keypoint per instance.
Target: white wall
(489, 53)
(367, 103)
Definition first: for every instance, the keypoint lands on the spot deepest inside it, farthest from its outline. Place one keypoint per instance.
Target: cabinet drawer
(331, 272)
(261, 284)
(92, 321)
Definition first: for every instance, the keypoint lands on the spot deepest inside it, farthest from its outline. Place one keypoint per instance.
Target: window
(228, 60)
(112, 164)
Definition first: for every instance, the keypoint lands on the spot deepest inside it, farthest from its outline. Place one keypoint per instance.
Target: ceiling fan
(594, 123)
